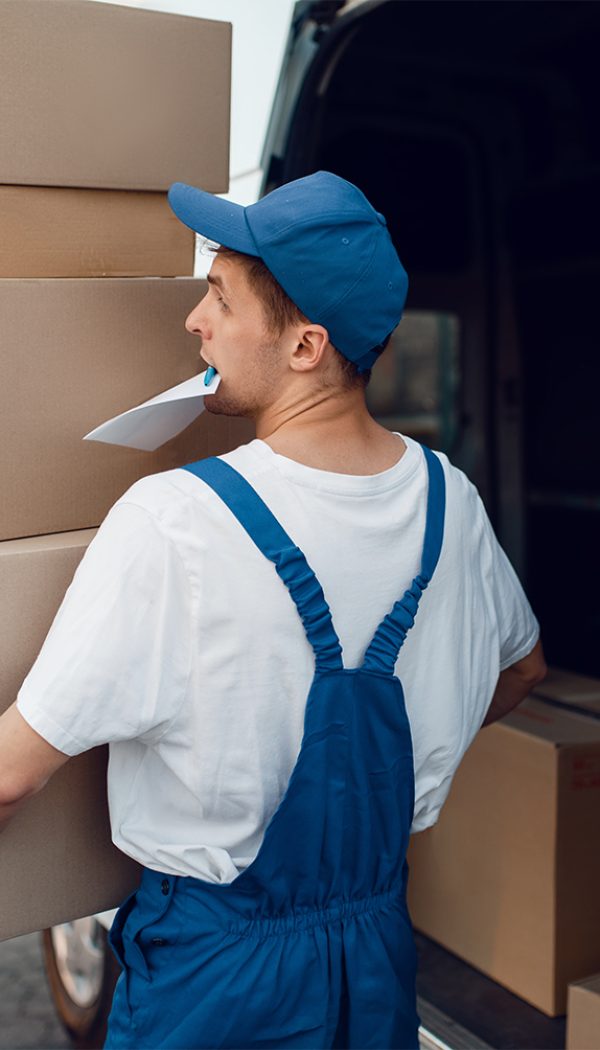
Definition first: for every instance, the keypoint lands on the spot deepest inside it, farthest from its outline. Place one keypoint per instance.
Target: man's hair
(280, 311)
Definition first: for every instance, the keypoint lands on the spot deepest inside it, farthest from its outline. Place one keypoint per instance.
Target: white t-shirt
(178, 644)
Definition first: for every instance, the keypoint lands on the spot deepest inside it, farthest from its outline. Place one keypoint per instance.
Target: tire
(82, 972)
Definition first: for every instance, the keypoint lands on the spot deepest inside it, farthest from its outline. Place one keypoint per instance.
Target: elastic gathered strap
(291, 565)
(388, 639)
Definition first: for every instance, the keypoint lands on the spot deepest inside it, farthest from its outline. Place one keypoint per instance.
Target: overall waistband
(245, 914)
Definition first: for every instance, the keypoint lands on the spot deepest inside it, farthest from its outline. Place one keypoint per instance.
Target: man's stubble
(260, 388)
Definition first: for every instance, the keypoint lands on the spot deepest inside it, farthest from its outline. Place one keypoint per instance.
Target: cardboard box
(571, 690)
(57, 861)
(508, 878)
(76, 352)
(52, 232)
(583, 1014)
(108, 97)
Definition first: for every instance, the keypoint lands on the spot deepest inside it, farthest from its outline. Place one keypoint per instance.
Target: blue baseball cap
(328, 248)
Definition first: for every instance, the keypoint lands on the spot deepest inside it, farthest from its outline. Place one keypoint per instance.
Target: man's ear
(311, 343)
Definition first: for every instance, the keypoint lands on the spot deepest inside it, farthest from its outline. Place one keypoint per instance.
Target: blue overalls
(311, 945)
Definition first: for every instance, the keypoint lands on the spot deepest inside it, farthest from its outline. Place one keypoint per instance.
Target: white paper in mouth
(149, 425)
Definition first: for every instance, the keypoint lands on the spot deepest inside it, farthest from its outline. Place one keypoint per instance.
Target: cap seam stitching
(250, 231)
(321, 216)
(337, 302)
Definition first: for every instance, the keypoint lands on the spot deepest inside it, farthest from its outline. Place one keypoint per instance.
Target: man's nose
(196, 323)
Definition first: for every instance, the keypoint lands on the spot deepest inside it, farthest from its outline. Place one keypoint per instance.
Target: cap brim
(220, 220)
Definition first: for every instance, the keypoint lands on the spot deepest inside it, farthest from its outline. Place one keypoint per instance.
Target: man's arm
(27, 762)
(515, 683)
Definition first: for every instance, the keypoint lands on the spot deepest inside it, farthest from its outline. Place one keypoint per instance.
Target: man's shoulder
(466, 520)
(458, 484)
(165, 492)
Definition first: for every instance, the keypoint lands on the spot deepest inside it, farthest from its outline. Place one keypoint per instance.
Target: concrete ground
(27, 1017)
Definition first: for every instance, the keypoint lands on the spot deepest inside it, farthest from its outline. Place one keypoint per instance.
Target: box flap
(588, 984)
(56, 541)
(558, 726)
(571, 690)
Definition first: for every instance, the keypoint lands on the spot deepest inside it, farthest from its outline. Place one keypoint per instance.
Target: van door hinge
(323, 12)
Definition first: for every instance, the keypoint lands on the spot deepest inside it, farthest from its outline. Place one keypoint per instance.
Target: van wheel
(82, 972)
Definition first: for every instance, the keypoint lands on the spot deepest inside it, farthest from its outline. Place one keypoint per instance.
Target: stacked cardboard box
(508, 877)
(583, 1014)
(101, 108)
(47, 231)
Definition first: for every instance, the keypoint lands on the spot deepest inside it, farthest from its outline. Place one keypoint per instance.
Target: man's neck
(337, 435)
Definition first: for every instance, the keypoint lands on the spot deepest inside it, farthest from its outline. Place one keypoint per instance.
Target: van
(473, 127)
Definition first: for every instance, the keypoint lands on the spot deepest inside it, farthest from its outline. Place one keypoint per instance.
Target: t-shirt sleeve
(518, 628)
(115, 662)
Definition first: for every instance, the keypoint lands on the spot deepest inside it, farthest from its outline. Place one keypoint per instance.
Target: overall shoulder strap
(291, 565)
(382, 653)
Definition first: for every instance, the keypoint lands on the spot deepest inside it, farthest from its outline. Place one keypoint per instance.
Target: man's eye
(222, 302)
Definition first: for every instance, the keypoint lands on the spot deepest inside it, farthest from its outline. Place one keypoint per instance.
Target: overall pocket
(152, 929)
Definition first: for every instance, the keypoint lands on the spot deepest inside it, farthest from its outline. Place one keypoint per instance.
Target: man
(272, 829)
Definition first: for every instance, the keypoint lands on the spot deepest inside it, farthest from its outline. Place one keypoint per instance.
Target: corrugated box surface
(508, 878)
(57, 861)
(53, 232)
(104, 96)
(74, 354)
(583, 1014)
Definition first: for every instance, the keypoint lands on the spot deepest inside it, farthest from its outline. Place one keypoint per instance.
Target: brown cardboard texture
(51, 232)
(75, 353)
(571, 690)
(508, 877)
(108, 97)
(57, 861)
(583, 1014)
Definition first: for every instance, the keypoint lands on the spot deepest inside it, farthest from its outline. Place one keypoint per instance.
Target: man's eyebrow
(216, 280)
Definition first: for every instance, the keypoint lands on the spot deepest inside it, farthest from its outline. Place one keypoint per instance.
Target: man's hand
(27, 762)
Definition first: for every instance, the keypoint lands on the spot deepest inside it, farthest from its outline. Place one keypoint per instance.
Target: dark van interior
(474, 128)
